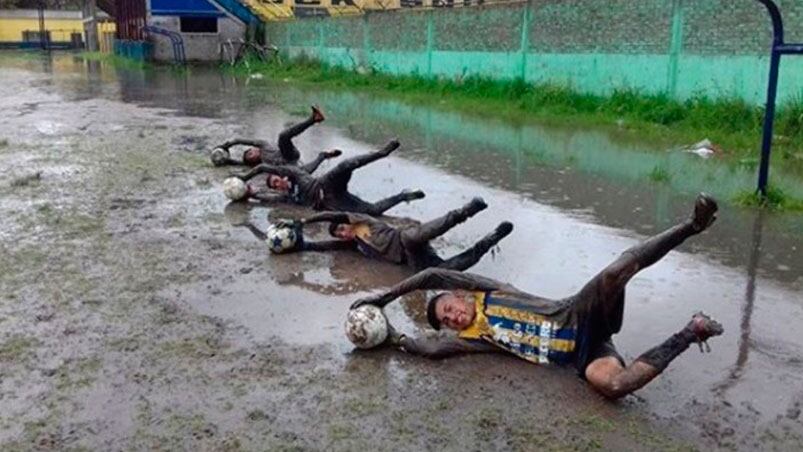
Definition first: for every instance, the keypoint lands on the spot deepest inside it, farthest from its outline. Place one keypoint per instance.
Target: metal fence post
(779, 47)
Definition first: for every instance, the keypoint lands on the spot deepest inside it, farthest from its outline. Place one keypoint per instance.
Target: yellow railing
(285, 9)
(268, 10)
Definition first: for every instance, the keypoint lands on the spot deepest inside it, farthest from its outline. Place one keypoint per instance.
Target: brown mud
(136, 313)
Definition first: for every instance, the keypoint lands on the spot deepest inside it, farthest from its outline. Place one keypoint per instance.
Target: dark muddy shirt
(377, 239)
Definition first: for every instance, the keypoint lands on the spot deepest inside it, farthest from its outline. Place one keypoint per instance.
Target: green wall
(682, 47)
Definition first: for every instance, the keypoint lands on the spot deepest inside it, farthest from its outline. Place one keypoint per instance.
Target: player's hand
(394, 337)
(372, 300)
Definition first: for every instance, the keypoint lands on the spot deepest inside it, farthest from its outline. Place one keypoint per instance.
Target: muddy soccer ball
(234, 189)
(219, 156)
(280, 239)
(366, 326)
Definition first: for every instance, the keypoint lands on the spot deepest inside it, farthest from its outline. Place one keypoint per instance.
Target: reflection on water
(735, 372)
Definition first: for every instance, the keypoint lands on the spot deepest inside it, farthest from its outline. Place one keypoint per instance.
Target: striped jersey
(509, 324)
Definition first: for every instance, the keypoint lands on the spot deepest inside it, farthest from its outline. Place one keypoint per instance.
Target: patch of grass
(77, 374)
(17, 349)
(113, 59)
(659, 174)
(776, 199)
(731, 123)
(3, 143)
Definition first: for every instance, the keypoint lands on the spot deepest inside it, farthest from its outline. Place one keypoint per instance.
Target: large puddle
(577, 199)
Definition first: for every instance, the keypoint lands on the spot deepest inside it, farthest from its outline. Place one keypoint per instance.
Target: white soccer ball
(280, 239)
(234, 188)
(219, 156)
(366, 326)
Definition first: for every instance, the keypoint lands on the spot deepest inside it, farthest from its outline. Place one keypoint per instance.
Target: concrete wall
(197, 46)
(681, 47)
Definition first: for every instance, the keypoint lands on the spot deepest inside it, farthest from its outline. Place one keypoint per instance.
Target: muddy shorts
(598, 318)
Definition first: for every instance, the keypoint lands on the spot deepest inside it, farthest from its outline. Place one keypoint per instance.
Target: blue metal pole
(769, 120)
(772, 90)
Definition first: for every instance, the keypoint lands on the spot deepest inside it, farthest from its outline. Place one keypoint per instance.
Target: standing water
(577, 197)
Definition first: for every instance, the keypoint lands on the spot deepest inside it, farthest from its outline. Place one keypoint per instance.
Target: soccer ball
(366, 326)
(219, 156)
(235, 189)
(280, 239)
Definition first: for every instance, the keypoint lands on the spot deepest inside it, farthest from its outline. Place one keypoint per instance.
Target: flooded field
(137, 312)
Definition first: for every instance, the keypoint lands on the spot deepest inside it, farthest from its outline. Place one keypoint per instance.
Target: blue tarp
(190, 8)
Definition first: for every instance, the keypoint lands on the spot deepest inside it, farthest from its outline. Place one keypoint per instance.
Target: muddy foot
(705, 210)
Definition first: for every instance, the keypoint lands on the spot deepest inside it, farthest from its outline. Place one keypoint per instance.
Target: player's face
(344, 232)
(454, 312)
(252, 157)
(278, 183)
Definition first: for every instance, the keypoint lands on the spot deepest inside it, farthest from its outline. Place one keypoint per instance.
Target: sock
(660, 356)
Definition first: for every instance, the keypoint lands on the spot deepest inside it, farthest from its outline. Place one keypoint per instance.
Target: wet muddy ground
(137, 313)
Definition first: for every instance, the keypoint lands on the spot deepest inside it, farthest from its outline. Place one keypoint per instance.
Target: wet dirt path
(137, 314)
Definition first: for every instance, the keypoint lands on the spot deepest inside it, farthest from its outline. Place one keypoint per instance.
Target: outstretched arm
(270, 196)
(437, 348)
(325, 245)
(280, 170)
(245, 142)
(444, 348)
(329, 245)
(333, 217)
(432, 278)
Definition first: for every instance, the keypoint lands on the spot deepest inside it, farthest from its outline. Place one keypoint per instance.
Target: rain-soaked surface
(577, 198)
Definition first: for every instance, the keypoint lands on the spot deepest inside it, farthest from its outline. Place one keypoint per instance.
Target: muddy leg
(614, 381)
(286, 147)
(437, 227)
(379, 207)
(610, 283)
(310, 167)
(471, 256)
(337, 178)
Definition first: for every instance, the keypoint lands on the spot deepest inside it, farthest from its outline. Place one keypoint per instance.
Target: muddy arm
(270, 197)
(432, 279)
(329, 245)
(280, 170)
(244, 142)
(443, 348)
(333, 217)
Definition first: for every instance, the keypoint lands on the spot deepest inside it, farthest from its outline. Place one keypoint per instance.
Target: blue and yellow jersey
(507, 323)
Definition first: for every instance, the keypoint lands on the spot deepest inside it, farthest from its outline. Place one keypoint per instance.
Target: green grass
(659, 174)
(113, 59)
(732, 124)
(776, 200)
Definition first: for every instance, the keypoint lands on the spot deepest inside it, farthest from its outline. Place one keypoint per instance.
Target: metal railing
(779, 48)
(175, 39)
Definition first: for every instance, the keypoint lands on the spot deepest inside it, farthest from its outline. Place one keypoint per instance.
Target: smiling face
(454, 312)
(278, 183)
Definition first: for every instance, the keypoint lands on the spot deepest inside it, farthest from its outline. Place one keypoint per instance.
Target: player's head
(454, 310)
(252, 157)
(279, 183)
(343, 231)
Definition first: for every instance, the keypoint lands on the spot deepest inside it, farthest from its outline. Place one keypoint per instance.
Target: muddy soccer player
(491, 316)
(263, 152)
(329, 191)
(407, 245)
